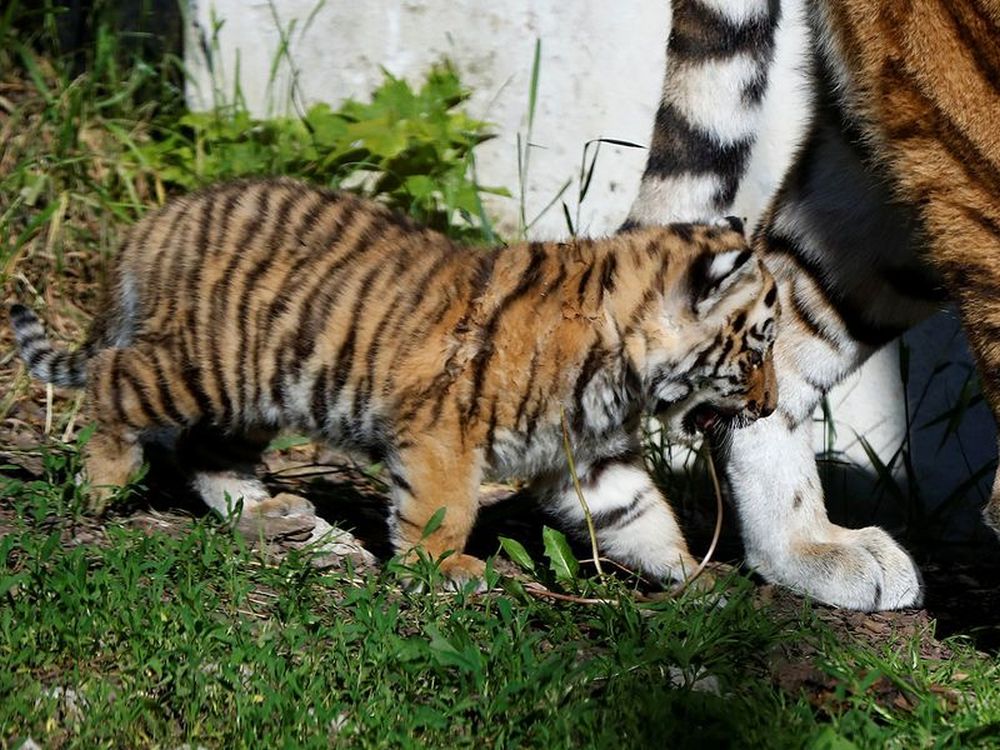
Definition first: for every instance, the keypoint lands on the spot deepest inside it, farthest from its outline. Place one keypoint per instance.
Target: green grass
(116, 637)
(154, 640)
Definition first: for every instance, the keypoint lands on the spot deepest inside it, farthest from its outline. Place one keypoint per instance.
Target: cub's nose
(762, 409)
(767, 408)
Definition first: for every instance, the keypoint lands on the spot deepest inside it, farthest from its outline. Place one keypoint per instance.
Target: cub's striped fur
(263, 305)
(892, 203)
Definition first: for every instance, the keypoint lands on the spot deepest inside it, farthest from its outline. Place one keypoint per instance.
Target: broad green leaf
(445, 652)
(283, 442)
(516, 552)
(561, 558)
(434, 523)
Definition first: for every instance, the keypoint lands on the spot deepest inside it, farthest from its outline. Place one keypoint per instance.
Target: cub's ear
(712, 273)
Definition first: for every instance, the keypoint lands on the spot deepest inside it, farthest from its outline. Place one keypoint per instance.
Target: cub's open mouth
(705, 418)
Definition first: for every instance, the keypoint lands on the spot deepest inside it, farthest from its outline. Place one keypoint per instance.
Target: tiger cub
(256, 306)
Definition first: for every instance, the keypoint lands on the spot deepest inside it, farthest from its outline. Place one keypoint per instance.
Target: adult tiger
(891, 204)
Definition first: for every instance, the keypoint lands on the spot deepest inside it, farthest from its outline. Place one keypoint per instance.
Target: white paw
(284, 516)
(332, 548)
(862, 569)
(229, 492)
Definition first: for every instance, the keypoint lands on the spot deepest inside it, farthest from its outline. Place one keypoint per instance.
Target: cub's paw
(863, 569)
(284, 516)
(459, 570)
(95, 499)
(704, 583)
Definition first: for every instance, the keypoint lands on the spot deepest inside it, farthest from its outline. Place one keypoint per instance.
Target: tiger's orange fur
(256, 306)
(925, 83)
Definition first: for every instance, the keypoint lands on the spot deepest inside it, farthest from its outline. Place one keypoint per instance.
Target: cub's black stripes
(365, 391)
(600, 467)
(345, 354)
(683, 230)
(173, 214)
(281, 237)
(608, 270)
(528, 388)
(620, 516)
(62, 368)
(491, 429)
(530, 277)
(192, 379)
(230, 407)
(591, 364)
(316, 264)
(321, 295)
(148, 412)
(320, 388)
(163, 385)
(581, 290)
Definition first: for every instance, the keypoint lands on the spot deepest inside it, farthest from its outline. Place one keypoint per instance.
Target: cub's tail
(46, 362)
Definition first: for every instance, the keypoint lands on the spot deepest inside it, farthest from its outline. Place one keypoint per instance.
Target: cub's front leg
(632, 520)
(436, 471)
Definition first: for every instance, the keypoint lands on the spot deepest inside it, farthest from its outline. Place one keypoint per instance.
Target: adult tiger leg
(850, 280)
(849, 277)
(772, 473)
(981, 316)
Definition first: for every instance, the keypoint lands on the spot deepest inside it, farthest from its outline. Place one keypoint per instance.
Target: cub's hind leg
(632, 520)
(224, 469)
(436, 471)
(131, 391)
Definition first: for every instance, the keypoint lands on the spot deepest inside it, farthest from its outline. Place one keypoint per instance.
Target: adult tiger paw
(863, 569)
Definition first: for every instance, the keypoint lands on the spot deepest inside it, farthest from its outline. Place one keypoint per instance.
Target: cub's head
(704, 348)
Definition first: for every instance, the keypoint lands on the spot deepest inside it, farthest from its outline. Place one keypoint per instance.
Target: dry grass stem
(579, 492)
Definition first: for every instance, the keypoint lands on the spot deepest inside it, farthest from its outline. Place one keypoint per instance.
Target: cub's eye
(755, 359)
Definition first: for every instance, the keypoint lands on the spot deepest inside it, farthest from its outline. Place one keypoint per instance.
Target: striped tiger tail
(44, 360)
(719, 56)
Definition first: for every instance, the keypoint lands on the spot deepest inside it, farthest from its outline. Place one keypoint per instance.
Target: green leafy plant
(410, 148)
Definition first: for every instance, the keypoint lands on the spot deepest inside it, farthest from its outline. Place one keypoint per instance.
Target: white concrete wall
(591, 83)
(601, 70)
